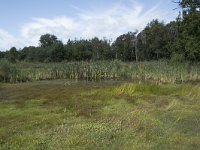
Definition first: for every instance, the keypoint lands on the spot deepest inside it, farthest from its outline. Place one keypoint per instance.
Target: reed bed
(157, 71)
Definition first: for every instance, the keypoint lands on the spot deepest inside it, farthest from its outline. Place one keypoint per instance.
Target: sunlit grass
(104, 115)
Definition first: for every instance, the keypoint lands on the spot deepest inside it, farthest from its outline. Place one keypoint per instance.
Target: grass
(157, 71)
(71, 114)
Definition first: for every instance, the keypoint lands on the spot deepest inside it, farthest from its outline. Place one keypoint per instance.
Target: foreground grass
(107, 115)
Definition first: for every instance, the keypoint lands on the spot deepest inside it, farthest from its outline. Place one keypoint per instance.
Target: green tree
(191, 35)
(2, 55)
(124, 47)
(189, 6)
(156, 40)
(13, 55)
(58, 52)
(48, 40)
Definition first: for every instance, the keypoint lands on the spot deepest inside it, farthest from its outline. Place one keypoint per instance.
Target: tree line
(178, 40)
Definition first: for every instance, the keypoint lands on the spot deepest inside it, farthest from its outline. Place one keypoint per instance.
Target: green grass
(99, 115)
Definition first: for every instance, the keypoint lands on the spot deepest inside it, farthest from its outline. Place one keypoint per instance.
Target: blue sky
(24, 21)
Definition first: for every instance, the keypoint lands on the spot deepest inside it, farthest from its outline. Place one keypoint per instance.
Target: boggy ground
(109, 115)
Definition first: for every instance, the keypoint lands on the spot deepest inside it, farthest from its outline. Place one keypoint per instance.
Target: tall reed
(158, 71)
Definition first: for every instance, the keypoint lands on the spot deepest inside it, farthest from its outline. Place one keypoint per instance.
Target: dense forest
(178, 40)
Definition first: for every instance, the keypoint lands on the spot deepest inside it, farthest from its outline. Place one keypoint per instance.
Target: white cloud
(6, 40)
(117, 20)
(62, 27)
(110, 23)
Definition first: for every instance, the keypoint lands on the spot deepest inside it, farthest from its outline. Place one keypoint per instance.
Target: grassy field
(66, 114)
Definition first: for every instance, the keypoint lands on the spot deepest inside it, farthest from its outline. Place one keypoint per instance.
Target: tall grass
(158, 71)
(10, 73)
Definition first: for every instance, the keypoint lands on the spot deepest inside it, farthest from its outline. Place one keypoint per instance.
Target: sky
(22, 22)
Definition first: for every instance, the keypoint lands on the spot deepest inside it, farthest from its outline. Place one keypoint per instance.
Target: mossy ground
(106, 115)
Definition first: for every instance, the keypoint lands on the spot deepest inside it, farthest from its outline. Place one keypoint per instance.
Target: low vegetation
(101, 115)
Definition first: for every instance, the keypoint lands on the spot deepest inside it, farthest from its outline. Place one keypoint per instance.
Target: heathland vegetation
(108, 115)
(140, 91)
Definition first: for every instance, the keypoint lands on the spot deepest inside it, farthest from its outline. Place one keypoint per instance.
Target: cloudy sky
(24, 21)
